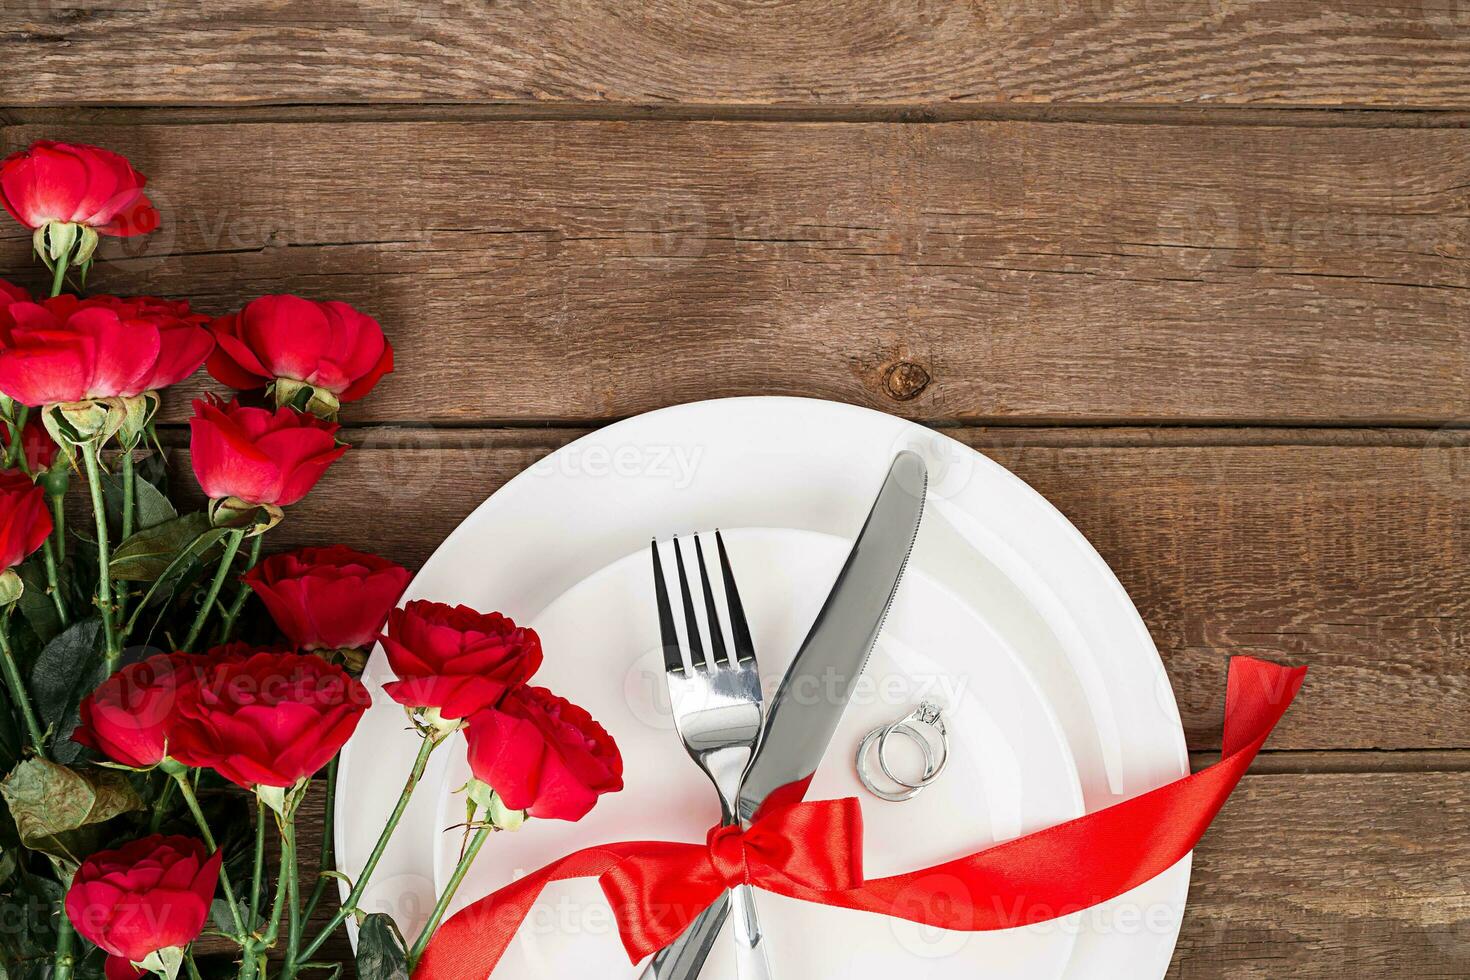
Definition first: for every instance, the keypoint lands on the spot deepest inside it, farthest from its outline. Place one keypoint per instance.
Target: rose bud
(454, 661)
(65, 350)
(259, 456)
(543, 754)
(145, 901)
(25, 523)
(296, 344)
(39, 448)
(328, 598)
(269, 721)
(131, 714)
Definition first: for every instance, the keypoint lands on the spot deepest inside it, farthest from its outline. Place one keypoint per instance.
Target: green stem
(191, 966)
(232, 547)
(227, 625)
(287, 827)
(250, 964)
(430, 742)
(440, 907)
(58, 519)
(259, 872)
(324, 861)
(65, 961)
(15, 455)
(104, 555)
(160, 806)
(18, 688)
(182, 778)
(58, 277)
(129, 493)
(293, 916)
(53, 581)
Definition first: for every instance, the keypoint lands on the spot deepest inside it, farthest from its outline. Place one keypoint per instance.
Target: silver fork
(717, 711)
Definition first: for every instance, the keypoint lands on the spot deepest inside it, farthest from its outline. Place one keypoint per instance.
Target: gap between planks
(1314, 117)
(503, 434)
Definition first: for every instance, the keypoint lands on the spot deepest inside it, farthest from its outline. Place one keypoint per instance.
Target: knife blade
(814, 693)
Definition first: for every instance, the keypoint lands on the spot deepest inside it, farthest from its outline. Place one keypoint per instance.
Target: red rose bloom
(37, 444)
(328, 598)
(25, 521)
(454, 659)
(544, 755)
(326, 345)
(270, 720)
(130, 716)
(69, 350)
(75, 183)
(145, 896)
(258, 455)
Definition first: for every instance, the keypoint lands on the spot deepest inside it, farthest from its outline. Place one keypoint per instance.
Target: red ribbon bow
(812, 851)
(796, 850)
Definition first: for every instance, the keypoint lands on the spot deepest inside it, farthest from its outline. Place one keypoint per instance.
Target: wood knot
(905, 380)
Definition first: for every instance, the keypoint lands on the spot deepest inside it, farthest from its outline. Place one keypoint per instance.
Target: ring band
(910, 791)
(932, 720)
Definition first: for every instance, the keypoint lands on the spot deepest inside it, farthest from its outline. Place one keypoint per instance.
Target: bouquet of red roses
(156, 732)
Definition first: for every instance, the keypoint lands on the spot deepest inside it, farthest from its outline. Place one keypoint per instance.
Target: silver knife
(816, 689)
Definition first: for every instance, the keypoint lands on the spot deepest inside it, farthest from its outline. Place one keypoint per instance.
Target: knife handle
(684, 957)
(750, 950)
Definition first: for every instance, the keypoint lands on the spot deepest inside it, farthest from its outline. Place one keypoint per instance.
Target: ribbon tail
(1095, 858)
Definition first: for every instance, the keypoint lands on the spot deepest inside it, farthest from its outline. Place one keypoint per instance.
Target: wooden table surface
(1199, 271)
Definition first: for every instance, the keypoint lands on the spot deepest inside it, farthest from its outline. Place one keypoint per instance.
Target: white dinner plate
(1010, 771)
(801, 464)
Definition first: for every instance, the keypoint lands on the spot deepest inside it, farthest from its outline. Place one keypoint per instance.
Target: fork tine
(673, 659)
(716, 631)
(691, 622)
(739, 629)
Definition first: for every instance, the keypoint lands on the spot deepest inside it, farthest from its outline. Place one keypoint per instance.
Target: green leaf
(153, 551)
(35, 605)
(381, 953)
(68, 669)
(150, 506)
(54, 806)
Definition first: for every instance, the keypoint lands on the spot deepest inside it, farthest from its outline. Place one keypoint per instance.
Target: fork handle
(684, 957)
(751, 962)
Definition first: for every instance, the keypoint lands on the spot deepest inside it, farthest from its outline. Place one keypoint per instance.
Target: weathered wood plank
(823, 52)
(1315, 877)
(961, 272)
(1355, 560)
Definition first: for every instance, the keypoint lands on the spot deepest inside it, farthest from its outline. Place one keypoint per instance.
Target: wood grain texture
(580, 271)
(1311, 877)
(822, 52)
(1354, 560)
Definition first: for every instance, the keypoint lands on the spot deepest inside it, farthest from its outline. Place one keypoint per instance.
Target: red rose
(454, 659)
(270, 720)
(145, 896)
(36, 443)
(258, 455)
(130, 716)
(67, 350)
(117, 968)
(11, 293)
(330, 346)
(75, 183)
(25, 521)
(543, 754)
(328, 598)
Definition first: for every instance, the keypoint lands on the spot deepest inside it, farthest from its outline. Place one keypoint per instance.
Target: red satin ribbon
(813, 852)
